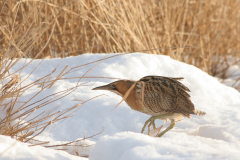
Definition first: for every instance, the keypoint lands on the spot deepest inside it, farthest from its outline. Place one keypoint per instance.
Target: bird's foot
(151, 122)
(155, 131)
(172, 124)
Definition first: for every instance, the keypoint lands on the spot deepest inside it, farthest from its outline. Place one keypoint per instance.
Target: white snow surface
(13, 149)
(215, 135)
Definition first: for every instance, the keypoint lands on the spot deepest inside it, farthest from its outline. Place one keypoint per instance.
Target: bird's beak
(106, 87)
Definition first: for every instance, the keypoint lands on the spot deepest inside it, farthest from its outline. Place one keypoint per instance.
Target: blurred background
(203, 33)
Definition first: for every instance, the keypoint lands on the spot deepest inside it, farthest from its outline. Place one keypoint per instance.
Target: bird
(160, 97)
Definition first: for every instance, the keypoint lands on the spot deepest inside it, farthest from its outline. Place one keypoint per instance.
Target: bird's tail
(199, 113)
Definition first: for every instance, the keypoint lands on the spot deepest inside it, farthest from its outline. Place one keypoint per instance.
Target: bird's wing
(166, 94)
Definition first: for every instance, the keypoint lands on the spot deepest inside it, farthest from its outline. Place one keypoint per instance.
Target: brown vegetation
(187, 30)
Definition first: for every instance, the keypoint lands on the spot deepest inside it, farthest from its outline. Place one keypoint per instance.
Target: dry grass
(202, 33)
(14, 121)
(196, 32)
(15, 116)
(19, 119)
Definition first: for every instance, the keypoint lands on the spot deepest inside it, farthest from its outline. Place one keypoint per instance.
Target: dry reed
(17, 118)
(201, 33)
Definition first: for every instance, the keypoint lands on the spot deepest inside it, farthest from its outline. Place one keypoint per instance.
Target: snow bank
(213, 136)
(129, 146)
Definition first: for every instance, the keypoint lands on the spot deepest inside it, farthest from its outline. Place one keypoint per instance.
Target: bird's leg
(156, 131)
(168, 128)
(149, 127)
(153, 118)
(152, 123)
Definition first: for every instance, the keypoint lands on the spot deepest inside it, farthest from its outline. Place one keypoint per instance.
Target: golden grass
(17, 122)
(17, 118)
(196, 32)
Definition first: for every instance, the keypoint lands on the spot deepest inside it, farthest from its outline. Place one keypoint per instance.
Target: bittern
(163, 98)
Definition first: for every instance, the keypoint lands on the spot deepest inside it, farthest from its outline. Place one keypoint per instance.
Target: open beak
(106, 87)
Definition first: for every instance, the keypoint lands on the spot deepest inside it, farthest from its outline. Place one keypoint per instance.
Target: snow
(213, 136)
(12, 149)
(129, 145)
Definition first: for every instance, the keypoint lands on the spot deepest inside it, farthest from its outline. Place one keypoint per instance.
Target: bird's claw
(151, 122)
(156, 131)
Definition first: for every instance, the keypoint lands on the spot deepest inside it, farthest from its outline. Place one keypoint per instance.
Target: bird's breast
(135, 99)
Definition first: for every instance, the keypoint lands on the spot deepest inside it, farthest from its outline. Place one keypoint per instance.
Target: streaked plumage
(161, 97)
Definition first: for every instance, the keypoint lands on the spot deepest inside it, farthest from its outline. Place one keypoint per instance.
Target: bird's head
(119, 87)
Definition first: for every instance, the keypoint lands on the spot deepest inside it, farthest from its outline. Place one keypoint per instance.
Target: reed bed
(202, 33)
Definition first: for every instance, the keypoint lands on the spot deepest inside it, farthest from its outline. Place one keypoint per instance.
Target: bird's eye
(112, 87)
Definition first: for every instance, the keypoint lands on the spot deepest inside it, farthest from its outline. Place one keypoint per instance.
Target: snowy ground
(213, 136)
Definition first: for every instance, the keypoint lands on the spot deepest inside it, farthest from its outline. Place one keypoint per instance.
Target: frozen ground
(213, 136)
